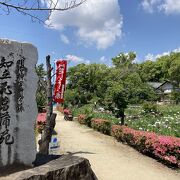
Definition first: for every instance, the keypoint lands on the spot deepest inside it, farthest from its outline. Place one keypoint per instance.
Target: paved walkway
(110, 160)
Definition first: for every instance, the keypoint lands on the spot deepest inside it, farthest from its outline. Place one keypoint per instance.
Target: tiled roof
(155, 84)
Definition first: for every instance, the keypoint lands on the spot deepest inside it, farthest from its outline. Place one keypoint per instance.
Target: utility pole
(50, 116)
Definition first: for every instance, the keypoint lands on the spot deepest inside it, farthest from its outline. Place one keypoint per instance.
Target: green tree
(116, 100)
(151, 71)
(137, 90)
(88, 81)
(124, 63)
(174, 69)
(41, 94)
(71, 97)
(124, 60)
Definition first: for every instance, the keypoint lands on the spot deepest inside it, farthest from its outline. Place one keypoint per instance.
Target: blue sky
(100, 29)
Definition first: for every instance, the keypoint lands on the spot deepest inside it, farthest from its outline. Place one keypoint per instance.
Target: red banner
(60, 82)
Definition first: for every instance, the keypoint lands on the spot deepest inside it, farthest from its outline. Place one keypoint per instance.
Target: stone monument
(18, 109)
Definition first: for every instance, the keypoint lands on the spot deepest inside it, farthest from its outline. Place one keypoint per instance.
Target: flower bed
(164, 148)
(101, 125)
(166, 122)
(81, 118)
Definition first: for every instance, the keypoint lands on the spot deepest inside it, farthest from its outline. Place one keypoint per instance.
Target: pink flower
(166, 148)
(171, 159)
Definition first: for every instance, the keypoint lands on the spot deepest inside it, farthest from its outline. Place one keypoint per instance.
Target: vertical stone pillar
(18, 109)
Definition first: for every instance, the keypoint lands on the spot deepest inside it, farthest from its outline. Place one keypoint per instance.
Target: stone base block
(66, 167)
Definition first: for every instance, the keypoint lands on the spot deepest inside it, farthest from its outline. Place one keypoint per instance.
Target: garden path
(109, 159)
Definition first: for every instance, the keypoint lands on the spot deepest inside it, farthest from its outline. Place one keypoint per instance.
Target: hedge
(81, 118)
(164, 148)
(101, 125)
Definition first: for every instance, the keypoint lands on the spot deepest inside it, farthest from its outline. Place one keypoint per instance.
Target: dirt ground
(109, 159)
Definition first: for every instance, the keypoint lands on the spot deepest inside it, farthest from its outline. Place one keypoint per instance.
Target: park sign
(60, 82)
(18, 109)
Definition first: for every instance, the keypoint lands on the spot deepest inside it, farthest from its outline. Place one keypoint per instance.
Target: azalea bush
(88, 120)
(164, 148)
(101, 125)
(81, 118)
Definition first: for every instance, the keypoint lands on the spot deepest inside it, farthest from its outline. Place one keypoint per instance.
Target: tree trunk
(49, 89)
(122, 115)
(50, 117)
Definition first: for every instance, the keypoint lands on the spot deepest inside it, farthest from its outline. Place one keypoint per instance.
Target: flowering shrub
(67, 111)
(81, 118)
(85, 119)
(164, 148)
(101, 125)
(40, 122)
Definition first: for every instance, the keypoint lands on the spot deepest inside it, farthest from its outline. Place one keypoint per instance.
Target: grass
(167, 122)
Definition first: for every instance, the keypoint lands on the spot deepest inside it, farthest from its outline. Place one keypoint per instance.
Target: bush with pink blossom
(101, 125)
(81, 118)
(164, 148)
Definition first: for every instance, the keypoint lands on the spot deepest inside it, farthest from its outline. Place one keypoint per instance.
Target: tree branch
(29, 7)
(72, 5)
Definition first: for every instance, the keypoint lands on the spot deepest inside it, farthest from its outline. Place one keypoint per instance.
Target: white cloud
(171, 6)
(64, 39)
(152, 57)
(103, 59)
(163, 54)
(95, 22)
(149, 56)
(176, 50)
(149, 5)
(166, 6)
(76, 59)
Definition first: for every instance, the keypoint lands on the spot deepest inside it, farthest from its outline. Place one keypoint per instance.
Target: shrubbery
(150, 107)
(81, 119)
(164, 148)
(101, 125)
(88, 120)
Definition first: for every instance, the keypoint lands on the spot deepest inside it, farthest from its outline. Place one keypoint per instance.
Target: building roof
(155, 84)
